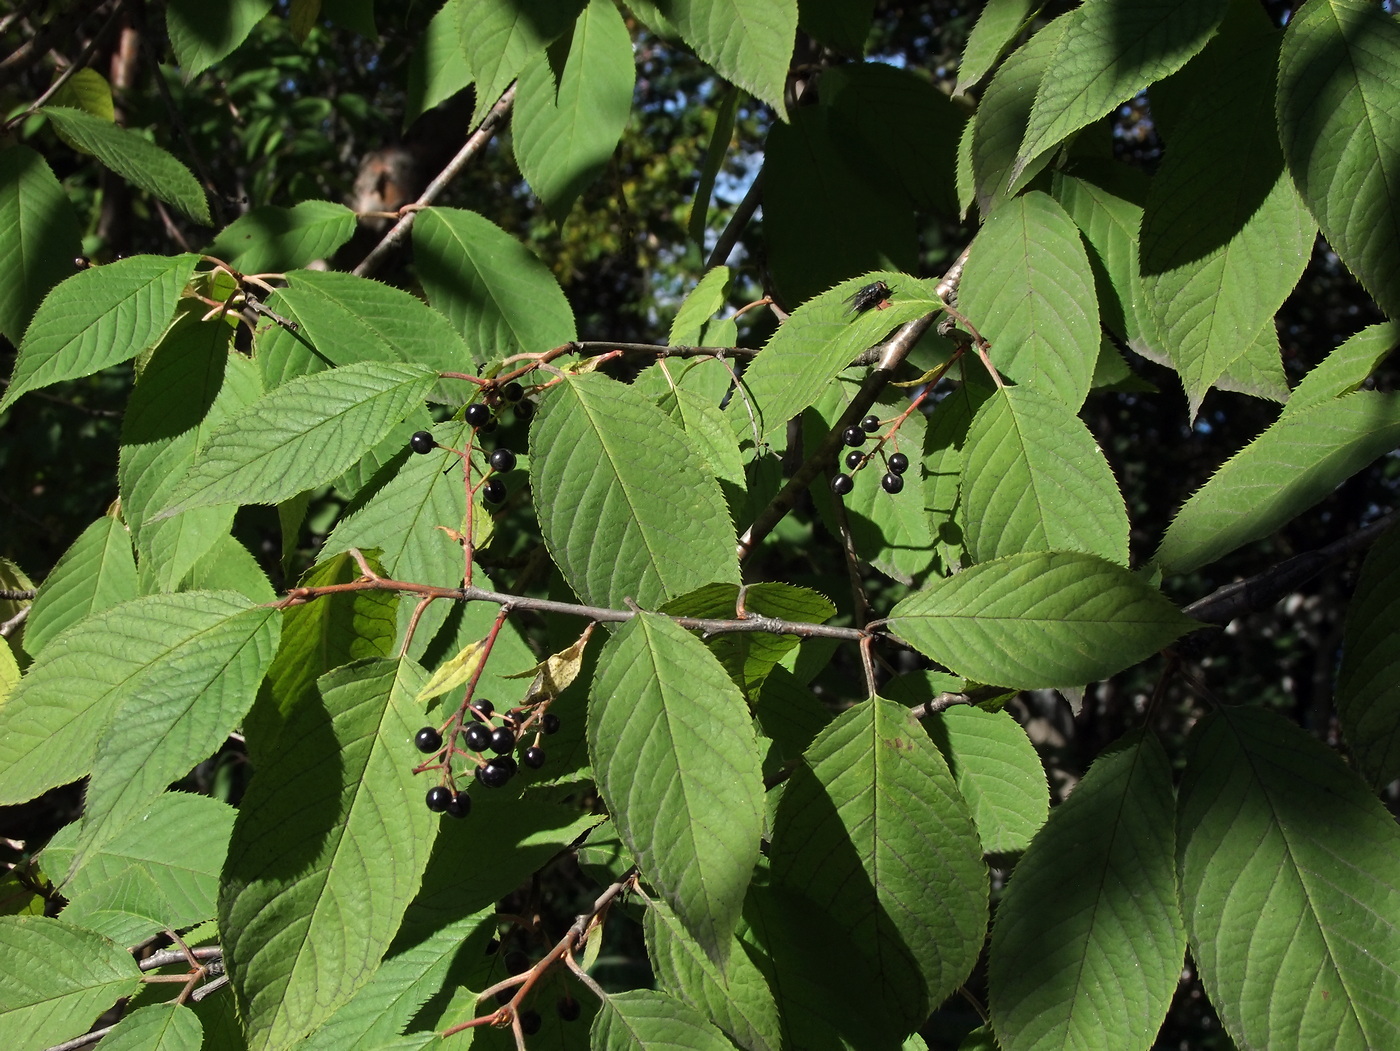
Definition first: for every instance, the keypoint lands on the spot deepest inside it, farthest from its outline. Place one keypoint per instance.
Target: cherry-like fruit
(854, 459)
(892, 483)
(460, 805)
(550, 723)
(870, 424)
(533, 757)
(899, 463)
(853, 436)
(427, 740)
(842, 484)
(502, 740)
(477, 736)
(438, 798)
(422, 443)
(494, 491)
(502, 460)
(478, 415)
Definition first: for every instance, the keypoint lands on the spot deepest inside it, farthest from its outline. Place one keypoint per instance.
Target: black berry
(478, 415)
(533, 757)
(486, 708)
(550, 723)
(478, 738)
(494, 491)
(568, 1008)
(524, 410)
(502, 460)
(438, 799)
(502, 740)
(892, 483)
(427, 740)
(512, 391)
(460, 805)
(842, 484)
(530, 1022)
(422, 442)
(497, 772)
(854, 459)
(899, 463)
(870, 424)
(853, 436)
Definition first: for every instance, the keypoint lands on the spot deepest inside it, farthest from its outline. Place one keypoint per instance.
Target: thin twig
(1263, 589)
(84, 1040)
(729, 236)
(474, 144)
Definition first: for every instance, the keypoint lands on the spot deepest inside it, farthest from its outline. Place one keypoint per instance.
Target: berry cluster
(478, 730)
(896, 464)
(501, 459)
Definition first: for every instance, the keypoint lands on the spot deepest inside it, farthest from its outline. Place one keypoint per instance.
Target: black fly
(877, 295)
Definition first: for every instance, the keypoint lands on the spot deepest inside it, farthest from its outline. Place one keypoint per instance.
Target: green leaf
(157, 1027)
(737, 999)
(318, 637)
(135, 158)
(705, 300)
(55, 979)
(1089, 940)
(997, 26)
(644, 1019)
(814, 344)
(1224, 234)
(201, 33)
(704, 424)
(1001, 119)
(676, 758)
(300, 435)
(89, 91)
(99, 317)
(919, 162)
(490, 286)
(998, 773)
(1285, 851)
(721, 132)
(190, 384)
(329, 848)
(1109, 52)
(1301, 458)
(826, 215)
(499, 36)
(1034, 479)
(38, 237)
(229, 566)
(1029, 290)
(95, 574)
(438, 68)
(945, 446)
(1368, 688)
(1105, 203)
(748, 657)
(172, 850)
(343, 319)
(860, 825)
(1346, 367)
(391, 1001)
(748, 42)
(564, 137)
(634, 512)
(273, 240)
(51, 725)
(187, 704)
(1039, 620)
(1338, 120)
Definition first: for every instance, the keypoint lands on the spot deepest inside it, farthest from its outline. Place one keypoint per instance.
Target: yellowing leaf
(454, 672)
(554, 674)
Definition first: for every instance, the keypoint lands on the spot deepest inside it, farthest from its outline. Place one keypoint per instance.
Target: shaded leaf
(1346, 367)
(1282, 850)
(274, 240)
(328, 850)
(201, 34)
(748, 42)
(644, 1019)
(157, 1027)
(857, 830)
(675, 755)
(1339, 120)
(38, 237)
(1297, 461)
(1089, 939)
(997, 26)
(137, 160)
(1368, 687)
